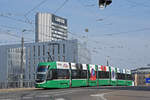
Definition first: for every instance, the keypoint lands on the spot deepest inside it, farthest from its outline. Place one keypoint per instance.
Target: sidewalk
(17, 89)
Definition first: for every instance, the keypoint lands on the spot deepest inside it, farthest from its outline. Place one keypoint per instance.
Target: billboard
(147, 80)
(92, 72)
(59, 20)
(113, 73)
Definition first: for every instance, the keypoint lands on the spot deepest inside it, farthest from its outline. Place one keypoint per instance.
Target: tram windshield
(42, 69)
(41, 73)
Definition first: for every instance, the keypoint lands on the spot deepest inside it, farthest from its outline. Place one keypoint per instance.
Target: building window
(63, 58)
(39, 60)
(33, 50)
(58, 49)
(53, 49)
(74, 58)
(43, 50)
(38, 50)
(58, 58)
(44, 59)
(63, 48)
(29, 52)
(49, 48)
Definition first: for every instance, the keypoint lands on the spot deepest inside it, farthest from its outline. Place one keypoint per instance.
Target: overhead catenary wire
(28, 12)
(137, 3)
(106, 34)
(14, 35)
(37, 6)
(34, 23)
(61, 6)
(136, 30)
(11, 18)
(27, 21)
(14, 28)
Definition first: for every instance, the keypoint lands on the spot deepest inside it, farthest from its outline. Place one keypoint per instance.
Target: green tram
(65, 75)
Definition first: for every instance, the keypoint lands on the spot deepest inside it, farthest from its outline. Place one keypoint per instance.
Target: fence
(17, 84)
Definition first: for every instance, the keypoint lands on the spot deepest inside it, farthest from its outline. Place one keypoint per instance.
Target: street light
(22, 58)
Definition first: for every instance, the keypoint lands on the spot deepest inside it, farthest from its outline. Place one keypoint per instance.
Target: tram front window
(41, 74)
(42, 69)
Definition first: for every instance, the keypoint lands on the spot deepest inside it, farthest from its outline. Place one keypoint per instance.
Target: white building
(50, 27)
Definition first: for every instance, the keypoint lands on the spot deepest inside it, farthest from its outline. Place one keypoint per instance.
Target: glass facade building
(63, 50)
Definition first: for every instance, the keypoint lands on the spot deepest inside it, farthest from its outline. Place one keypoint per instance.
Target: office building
(10, 66)
(50, 27)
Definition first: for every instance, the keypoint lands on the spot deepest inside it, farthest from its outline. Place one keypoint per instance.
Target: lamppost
(22, 59)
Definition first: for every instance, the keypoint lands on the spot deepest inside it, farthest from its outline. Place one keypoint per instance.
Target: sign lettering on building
(59, 20)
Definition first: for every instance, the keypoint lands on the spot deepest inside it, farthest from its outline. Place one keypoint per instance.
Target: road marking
(100, 95)
(27, 97)
(59, 99)
(40, 96)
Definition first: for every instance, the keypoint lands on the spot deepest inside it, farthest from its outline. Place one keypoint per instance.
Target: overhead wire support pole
(22, 63)
(107, 61)
(22, 59)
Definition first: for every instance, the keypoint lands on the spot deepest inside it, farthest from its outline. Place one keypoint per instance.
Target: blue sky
(120, 31)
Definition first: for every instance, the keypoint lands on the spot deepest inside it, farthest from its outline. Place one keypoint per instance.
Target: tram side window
(121, 76)
(83, 74)
(75, 74)
(50, 75)
(103, 74)
(129, 77)
(60, 74)
(78, 74)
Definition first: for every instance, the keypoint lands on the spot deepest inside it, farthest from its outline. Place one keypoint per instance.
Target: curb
(18, 89)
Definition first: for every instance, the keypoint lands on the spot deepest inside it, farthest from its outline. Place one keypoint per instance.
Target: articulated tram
(65, 75)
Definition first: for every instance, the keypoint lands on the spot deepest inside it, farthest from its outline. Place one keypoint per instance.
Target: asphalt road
(86, 93)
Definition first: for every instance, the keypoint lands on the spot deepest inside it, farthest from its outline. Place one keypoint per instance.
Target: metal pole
(22, 55)
(107, 60)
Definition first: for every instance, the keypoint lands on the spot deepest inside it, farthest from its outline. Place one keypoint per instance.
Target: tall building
(50, 27)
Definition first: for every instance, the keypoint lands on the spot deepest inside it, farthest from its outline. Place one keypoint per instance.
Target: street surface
(84, 93)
